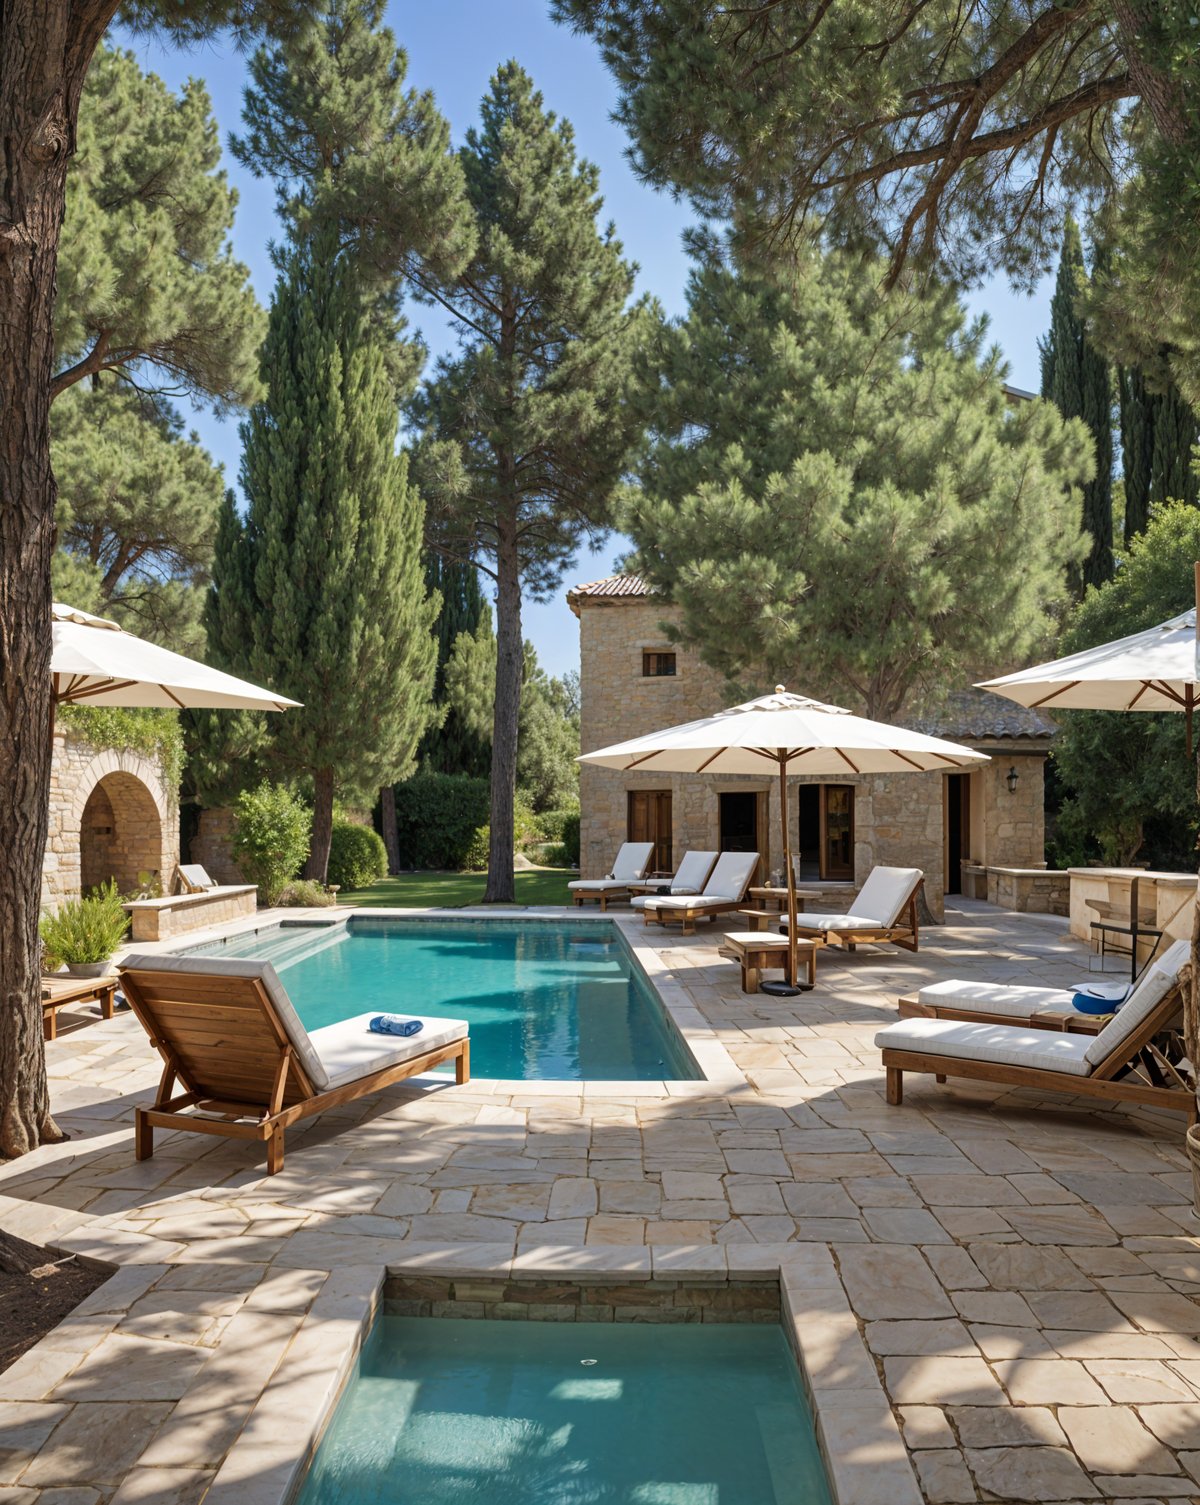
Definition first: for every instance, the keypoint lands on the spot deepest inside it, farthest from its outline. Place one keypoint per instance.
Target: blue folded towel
(395, 1024)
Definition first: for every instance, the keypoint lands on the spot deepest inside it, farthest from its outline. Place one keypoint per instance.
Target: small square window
(655, 665)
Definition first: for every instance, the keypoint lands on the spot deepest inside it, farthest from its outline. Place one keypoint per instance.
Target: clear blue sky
(453, 47)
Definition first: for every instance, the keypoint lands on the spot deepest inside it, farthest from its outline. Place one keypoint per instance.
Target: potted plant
(84, 933)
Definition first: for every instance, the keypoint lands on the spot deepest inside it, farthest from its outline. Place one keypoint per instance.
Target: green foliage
(1075, 378)
(320, 593)
(85, 930)
(453, 747)
(1173, 474)
(436, 817)
(303, 893)
(1136, 408)
(157, 735)
(271, 835)
(547, 722)
(357, 856)
(953, 135)
(225, 754)
(835, 489)
(527, 428)
(146, 278)
(137, 507)
(328, 118)
(475, 858)
(552, 824)
(1129, 788)
(570, 838)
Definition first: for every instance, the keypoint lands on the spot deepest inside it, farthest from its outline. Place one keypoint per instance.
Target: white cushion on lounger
(348, 1050)
(994, 997)
(681, 901)
(1004, 1044)
(599, 885)
(885, 893)
(239, 966)
(819, 921)
(1151, 988)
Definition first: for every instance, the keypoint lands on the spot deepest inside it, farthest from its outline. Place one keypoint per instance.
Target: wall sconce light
(1011, 778)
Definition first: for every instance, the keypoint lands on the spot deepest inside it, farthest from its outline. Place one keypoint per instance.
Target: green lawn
(542, 885)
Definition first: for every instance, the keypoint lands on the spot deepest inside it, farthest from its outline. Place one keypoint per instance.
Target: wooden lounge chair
(884, 910)
(1119, 1064)
(230, 1038)
(628, 867)
(193, 878)
(724, 891)
(688, 878)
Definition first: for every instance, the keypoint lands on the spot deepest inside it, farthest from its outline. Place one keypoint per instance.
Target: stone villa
(960, 828)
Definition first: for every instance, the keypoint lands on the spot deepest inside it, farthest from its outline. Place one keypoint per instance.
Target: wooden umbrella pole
(1191, 1014)
(790, 880)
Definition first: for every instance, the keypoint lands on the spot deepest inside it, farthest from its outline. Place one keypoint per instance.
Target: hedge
(437, 815)
(357, 856)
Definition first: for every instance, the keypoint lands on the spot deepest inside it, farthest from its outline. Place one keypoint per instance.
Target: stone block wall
(212, 846)
(112, 814)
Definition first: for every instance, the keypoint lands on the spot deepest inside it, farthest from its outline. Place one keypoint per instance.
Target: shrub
(475, 858)
(555, 855)
(357, 856)
(85, 930)
(570, 838)
(271, 836)
(303, 893)
(437, 816)
(552, 823)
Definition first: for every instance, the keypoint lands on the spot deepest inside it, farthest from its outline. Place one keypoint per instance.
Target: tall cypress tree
(321, 592)
(1075, 377)
(1137, 448)
(454, 747)
(1172, 468)
(527, 428)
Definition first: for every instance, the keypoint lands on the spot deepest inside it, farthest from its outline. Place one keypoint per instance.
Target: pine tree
(453, 747)
(833, 480)
(1075, 377)
(527, 429)
(320, 593)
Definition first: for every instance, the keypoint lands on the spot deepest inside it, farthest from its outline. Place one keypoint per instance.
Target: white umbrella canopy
(806, 735)
(1155, 670)
(787, 734)
(96, 662)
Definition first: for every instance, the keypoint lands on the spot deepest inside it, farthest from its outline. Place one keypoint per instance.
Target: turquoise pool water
(545, 1002)
(460, 1412)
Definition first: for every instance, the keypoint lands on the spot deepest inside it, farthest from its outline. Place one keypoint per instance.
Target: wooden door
(957, 826)
(649, 819)
(837, 832)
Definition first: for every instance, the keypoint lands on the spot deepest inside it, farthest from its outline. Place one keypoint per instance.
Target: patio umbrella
(1154, 670)
(791, 735)
(96, 662)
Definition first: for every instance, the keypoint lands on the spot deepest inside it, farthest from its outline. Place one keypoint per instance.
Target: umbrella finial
(780, 690)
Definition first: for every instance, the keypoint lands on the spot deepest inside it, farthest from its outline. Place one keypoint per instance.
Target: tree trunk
(317, 865)
(387, 819)
(1163, 96)
(510, 666)
(45, 48)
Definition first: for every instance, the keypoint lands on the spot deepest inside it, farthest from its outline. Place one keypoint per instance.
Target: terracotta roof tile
(612, 586)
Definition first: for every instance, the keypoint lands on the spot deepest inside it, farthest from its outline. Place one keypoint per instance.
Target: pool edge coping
(858, 1436)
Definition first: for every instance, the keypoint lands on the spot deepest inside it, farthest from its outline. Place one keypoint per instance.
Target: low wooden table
(767, 896)
(57, 991)
(756, 949)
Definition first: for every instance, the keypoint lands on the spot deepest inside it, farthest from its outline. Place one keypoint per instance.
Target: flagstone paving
(1025, 1275)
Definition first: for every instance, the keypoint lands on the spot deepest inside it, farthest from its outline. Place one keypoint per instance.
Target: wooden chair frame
(905, 931)
(1067, 1021)
(1101, 1083)
(208, 1037)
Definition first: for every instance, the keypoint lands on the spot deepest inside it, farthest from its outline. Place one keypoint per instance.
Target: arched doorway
(120, 834)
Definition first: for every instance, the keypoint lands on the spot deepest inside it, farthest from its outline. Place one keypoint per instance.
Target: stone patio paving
(1025, 1276)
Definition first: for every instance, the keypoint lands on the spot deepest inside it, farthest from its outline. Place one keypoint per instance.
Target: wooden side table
(57, 991)
(755, 949)
(774, 900)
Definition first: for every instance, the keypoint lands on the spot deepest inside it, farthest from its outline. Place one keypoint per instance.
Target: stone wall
(112, 815)
(212, 846)
(899, 818)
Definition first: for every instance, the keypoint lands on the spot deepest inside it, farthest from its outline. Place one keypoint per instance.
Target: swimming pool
(461, 1411)
(544, 1001)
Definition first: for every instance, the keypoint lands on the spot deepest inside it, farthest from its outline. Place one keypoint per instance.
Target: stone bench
(160, 919)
